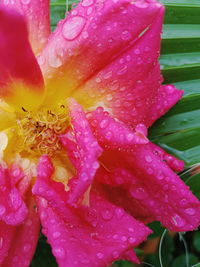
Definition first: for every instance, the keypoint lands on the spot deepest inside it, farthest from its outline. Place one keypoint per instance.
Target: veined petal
(21, 81)
(130, 87)
(96, 30)
(37, 17)
(17, 244)
(92, 236)
(160, 194)
(83, 151)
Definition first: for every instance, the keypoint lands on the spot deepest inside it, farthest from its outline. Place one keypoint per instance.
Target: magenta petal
(93, 236)
(18, 244)
(13, 210)
(18, 63)
(83, 151)
(37, 17)
(174, 163)
(160, 195)
(96, 30)
(113, 134)
(166, 98)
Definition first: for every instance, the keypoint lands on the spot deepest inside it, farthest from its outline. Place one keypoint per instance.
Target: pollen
(39, 131)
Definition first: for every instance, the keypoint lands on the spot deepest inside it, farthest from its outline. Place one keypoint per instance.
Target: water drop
(100, 255)
(126, 35)
(190, 211)
(138, 192)
(87, 2)
(73, 27)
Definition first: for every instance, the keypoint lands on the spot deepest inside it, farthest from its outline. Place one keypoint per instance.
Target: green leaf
(196, 241)
(179, 130)
(180, 261)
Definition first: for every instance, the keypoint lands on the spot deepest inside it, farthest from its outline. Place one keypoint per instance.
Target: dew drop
(27, 247)
(87, 2)
(59, 252)
(107, 215)
(126, 35)
(178, 221)
(73, 27)
(138, 193)
(25, 2)
(190, 211)
(148, 158)
(100, 255)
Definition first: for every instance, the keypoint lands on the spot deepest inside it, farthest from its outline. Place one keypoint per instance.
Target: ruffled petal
(13, 210)
(38, 20)
(160, 194)
(93, 236)
(114, 134)
(83, 151)
(18, 243)
(97, 29)
(21, 81)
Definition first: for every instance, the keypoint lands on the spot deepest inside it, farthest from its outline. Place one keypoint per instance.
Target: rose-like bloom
(73, 143)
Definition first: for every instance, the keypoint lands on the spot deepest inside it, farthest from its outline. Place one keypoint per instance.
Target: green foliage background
(178, 131)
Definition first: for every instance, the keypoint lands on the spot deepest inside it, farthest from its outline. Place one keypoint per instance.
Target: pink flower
(83, 107)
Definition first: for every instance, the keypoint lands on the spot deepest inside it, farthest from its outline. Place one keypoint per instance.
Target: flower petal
(17, 244)
(130, 87)
(7, 119)
(83, 151)
(113, 134)
(38, 20)
(160, 195)
(21, 81)
(13, 210)
(93, 236)
(97, 29)
(166, 98)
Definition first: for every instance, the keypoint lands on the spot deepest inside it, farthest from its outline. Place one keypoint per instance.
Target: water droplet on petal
(25, 2)
(56, 234)
(107, 215)
(73, 27)
(59, 252)
(100, 255)
(27, 247)
(178, 221)
(148, 158)
(190, 211)
(138, 192)
(126, 35)
(87, 2)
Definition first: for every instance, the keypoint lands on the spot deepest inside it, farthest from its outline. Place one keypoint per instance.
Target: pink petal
(130, 255)
(89, 236)
(130, 86)
(19, 67)
(100, 30)
(17, 244)
(38, 20)
(113, 134)
(166, 98)
(160, 194)
(172, 162)
(83, 151)
(13, 210)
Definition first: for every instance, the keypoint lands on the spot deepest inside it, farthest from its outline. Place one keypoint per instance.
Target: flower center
(39, 131)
